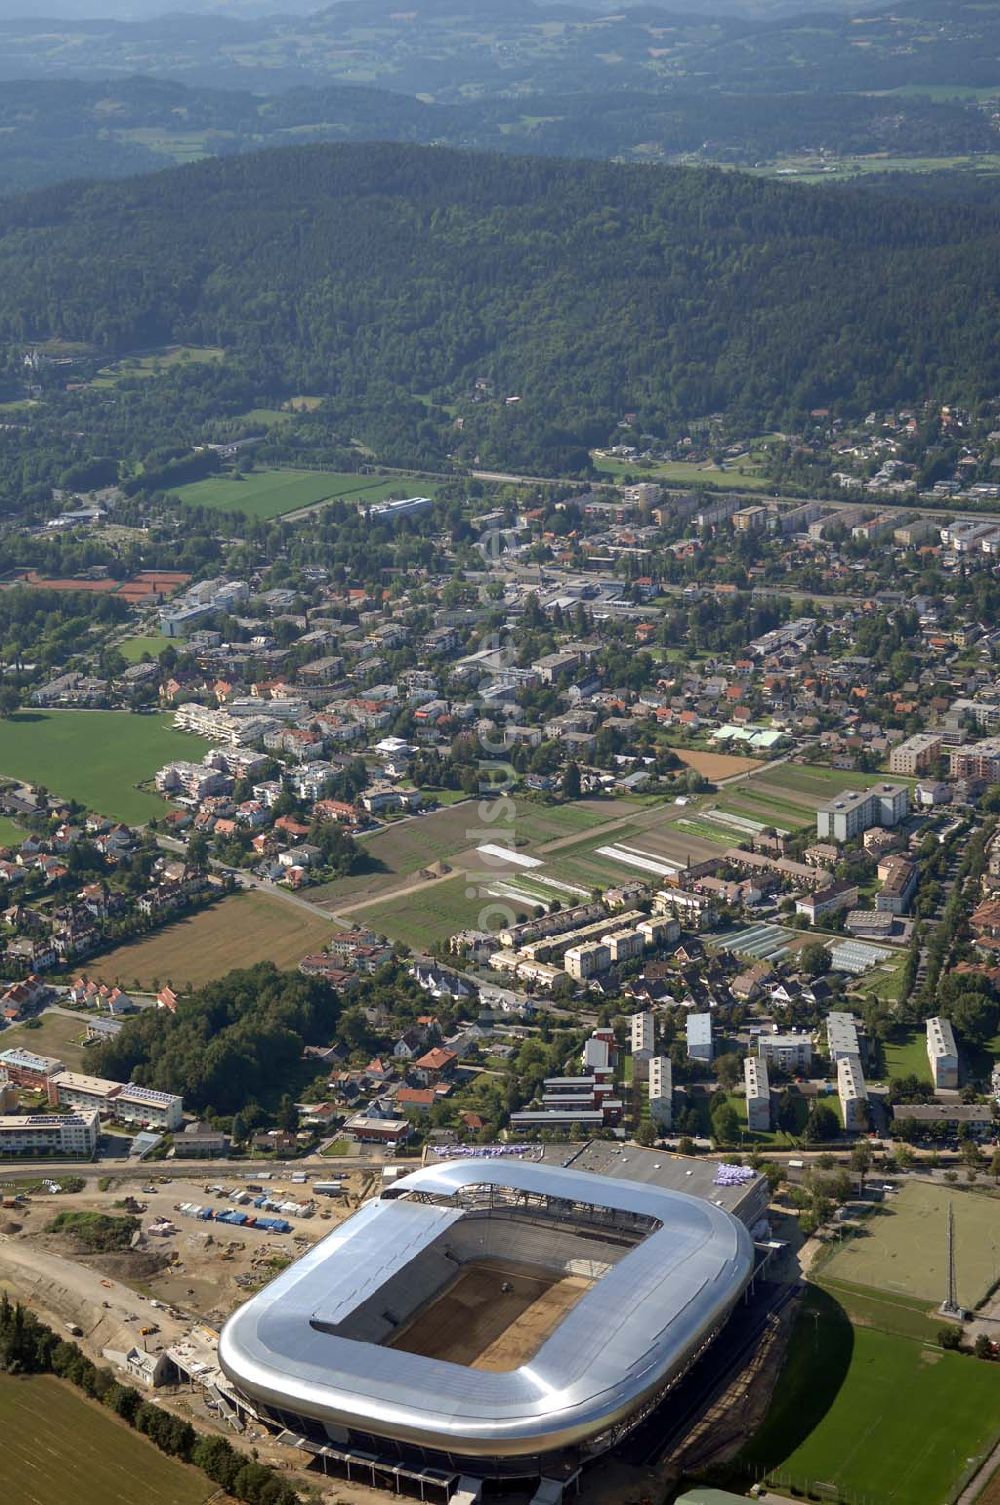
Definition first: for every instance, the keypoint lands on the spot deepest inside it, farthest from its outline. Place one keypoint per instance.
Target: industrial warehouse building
(359, 1349)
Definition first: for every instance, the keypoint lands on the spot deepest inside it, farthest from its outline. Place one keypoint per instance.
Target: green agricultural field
(134, 649)
(426, 914)
(239, 931)
(96, 757)
(273, 493)
(903, 1249)
(58, 1446)
(863, 1414)
(403, 847)
(760, 804)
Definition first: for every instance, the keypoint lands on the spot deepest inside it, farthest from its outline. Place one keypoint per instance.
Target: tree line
(28, 1346)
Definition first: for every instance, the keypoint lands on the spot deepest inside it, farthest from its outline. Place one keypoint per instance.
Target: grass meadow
(96, 757)
(265, 494)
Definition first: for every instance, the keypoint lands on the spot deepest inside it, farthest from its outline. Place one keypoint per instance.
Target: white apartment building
(842, 1036)
(942, 1052)
(850, 814)
(219, 725)
(792, 1053)
(72, 1089)
(699, 1037)
(588, 960)
(643, 1031)
(624, 945)
(661, 1092)
(49, 1134)
(853, 1094)
(142, 1105)
(917, 754)
(758, 1090)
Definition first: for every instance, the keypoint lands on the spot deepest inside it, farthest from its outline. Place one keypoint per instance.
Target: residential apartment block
(850, 814)
(758, 1090)
(942, 1052)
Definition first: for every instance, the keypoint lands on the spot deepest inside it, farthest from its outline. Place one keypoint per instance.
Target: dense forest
(52, 130)
(584, 290)
(238, 1041)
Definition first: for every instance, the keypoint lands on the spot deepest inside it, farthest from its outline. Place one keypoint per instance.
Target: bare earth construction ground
(495, 1315)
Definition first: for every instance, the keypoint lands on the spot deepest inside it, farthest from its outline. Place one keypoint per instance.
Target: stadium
(488, 1318)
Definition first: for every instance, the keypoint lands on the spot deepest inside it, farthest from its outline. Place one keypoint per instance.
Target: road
(233, 1170)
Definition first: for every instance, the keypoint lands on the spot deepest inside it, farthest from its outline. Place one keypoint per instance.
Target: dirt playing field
(716, 765)
(495, 1315)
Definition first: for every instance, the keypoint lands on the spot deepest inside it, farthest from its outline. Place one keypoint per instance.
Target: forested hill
(585, 289)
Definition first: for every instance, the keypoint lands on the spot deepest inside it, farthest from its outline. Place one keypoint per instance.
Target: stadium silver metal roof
(632, 1332)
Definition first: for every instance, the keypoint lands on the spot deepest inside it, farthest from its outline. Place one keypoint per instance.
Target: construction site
(197, 1249)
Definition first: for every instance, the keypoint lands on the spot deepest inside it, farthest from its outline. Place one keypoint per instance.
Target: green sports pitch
(266, 494)
(861, 1414)
(903, 1248)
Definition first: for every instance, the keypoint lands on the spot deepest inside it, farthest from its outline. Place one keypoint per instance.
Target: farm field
(761, 804)
(60, 1446)
(873, 1415)
(134, 648)
(425, 915)
(96, 757)
(57, 1035)
(904, 1247)
(714, 765)
(816, 783)
(402, 849)
(273, 493)
(237, 932)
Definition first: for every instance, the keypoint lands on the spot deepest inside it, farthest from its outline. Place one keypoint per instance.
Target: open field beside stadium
(266, 494)
(237, 932)
(96, 757)
(495, 1315)
(59, 1446)
(903, 1248)
(864, 1414)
